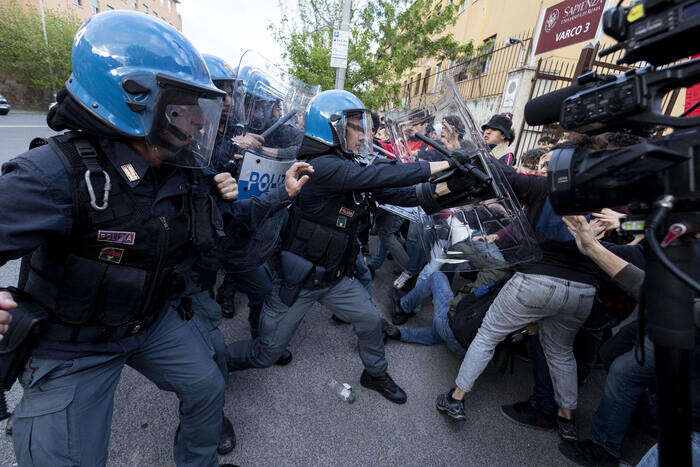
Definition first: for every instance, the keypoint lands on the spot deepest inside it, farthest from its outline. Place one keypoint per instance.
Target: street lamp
(515, 40)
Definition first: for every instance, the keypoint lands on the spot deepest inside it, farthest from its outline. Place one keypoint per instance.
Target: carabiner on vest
(91, 191)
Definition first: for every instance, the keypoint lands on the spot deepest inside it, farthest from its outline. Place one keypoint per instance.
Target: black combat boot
(227, 437)
(228, 308)
(285, 359)
(385, 386)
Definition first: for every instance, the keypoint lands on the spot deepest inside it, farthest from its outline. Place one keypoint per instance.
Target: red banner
(569, 22)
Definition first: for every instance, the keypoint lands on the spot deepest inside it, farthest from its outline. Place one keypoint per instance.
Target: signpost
(339, 49)
(509, 94)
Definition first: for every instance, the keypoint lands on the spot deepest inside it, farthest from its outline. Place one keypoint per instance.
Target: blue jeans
(414, 248)
(65, 414)
(438, 286)
(625, 386)
(651, 458)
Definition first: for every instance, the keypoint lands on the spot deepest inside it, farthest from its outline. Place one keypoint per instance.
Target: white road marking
(24, 126)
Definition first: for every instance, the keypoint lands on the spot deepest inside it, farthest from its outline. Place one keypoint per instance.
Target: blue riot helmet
(140, 78)
(224, 78)
(260, 98)
(221, 72)
(337, 118)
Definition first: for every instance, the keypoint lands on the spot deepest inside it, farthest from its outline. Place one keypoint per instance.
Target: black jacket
(559, 259)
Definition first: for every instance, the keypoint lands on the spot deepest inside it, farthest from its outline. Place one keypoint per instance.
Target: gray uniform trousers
(558, 306)
(65, 414)
(347, 299)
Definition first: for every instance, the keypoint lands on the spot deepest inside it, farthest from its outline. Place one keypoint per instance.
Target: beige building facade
(494, 21)
(83, 9)
(497, 62)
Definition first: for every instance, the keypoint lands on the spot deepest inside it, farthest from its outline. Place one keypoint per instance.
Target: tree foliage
(23, 51)
(388, 38)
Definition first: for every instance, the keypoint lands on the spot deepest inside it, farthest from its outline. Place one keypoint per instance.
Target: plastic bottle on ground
(343, 390)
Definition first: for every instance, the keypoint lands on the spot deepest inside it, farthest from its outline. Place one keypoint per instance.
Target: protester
(529, 162)
(556, 291)
(546, 142)
(499, 130)
(628, 380)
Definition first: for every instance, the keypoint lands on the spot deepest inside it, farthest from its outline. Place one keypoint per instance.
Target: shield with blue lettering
(267, 130)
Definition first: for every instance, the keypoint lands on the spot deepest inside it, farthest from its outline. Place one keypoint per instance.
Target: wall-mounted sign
(569, 22)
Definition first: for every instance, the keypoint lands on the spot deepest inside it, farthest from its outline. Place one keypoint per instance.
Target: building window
(145, 9)
(76, 2)
(488, 49)
(417, 90)
(426, 80)
(438, 70)
(134, 4)
(462, 6)
(95, 6)
(169, 2)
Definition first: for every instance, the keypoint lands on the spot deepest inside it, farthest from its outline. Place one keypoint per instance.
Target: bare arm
(627, 276)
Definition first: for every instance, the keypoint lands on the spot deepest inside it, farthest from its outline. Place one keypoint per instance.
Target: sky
(226, 28)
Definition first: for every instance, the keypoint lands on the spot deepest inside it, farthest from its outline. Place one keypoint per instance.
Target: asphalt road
(286, 415)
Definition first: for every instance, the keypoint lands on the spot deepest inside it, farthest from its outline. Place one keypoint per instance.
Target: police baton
(278, 124)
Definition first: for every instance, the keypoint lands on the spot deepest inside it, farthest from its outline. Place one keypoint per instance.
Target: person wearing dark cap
(499, 129)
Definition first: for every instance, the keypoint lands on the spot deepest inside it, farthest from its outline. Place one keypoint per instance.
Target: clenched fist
(226, 186)
(6, 303)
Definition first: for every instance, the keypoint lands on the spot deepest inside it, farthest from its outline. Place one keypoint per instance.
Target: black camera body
(658, 31)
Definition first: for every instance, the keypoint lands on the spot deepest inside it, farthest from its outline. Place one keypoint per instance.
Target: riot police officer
(320, 245)
(108, 218)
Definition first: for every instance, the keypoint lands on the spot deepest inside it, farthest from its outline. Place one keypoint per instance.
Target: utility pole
(344, 26)
(46, 40)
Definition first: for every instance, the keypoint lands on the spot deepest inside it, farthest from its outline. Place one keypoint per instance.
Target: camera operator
(627, 380)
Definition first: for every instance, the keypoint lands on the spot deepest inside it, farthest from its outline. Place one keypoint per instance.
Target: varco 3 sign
(569, 22)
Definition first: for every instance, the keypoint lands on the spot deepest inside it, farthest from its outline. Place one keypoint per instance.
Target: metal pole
(46, 40)
(344, 26)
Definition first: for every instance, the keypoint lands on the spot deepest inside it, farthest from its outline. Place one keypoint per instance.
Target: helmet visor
(354, 131)
(185, 124)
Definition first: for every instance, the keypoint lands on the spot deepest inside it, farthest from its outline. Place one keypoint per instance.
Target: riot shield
(267, 127)
(482, 228)
(271, 105)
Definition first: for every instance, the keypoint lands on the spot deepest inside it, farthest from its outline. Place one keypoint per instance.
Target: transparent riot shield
(271, 105)
(482, 228)
(267, 127)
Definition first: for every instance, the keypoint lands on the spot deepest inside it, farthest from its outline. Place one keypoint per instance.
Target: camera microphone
(546, 108)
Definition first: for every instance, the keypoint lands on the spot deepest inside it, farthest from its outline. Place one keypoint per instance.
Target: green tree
(23, 51)
(388, 38)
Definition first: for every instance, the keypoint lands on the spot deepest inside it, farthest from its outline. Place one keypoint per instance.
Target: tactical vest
(327, 239)
(121, 263)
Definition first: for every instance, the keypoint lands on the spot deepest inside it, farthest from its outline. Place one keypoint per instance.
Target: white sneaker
(400, 281)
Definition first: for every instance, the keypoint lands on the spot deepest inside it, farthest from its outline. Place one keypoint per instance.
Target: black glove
(459, 182)
(461, 157)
